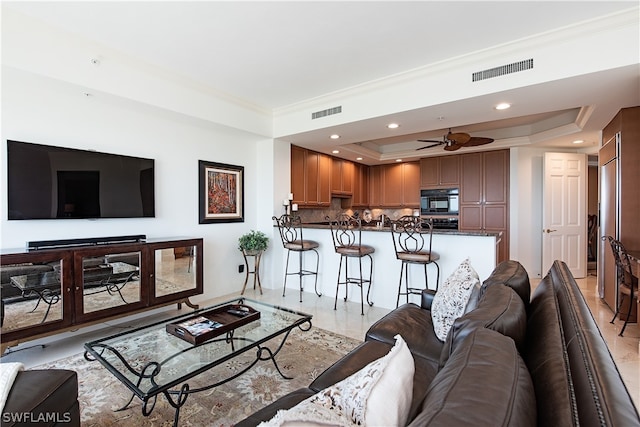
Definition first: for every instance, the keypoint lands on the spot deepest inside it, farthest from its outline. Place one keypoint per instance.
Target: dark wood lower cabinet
(51, 290)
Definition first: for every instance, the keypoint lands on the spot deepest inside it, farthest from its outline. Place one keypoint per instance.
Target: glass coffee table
(150, 361)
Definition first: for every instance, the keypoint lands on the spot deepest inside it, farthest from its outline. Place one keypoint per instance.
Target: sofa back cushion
(484, 383)
(598, 394)
(512, 274)
(499, 309)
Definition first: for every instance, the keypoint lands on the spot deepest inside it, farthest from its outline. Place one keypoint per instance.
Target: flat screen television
(48, 182)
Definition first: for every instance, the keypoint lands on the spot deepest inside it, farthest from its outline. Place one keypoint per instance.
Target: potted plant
(253, 242)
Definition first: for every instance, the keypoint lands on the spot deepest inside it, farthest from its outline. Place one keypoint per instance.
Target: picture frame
(221, 192)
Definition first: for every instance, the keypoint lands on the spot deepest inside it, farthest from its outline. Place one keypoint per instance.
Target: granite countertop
(373, 227)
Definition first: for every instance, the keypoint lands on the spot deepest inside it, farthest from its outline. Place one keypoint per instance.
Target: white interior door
(564, 212)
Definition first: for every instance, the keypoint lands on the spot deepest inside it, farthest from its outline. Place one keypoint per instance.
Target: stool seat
(355, 250)
(301, 245)
(419, 257)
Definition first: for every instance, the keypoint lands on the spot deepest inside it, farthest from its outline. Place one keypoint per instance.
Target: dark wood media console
(58, 288)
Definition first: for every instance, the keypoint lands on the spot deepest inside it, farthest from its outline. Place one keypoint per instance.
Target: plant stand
(256, 269)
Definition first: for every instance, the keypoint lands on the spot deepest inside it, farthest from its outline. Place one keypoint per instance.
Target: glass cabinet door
(34, 293)
(108, 282)
(177, 270)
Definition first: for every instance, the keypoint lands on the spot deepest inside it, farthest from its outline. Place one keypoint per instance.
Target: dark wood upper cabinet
(310, 177)
(342, 176)
(440, 172)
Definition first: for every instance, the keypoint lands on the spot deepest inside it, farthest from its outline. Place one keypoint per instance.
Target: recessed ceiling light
(393, 126)
(503, 106)
(398, 160)
(335, 151)
(358, 158)
(578, 141)
(335, 136)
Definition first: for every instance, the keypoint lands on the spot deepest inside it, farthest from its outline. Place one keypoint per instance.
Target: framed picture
(221, 189)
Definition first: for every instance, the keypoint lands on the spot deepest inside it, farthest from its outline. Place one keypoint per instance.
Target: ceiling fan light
(503, 106)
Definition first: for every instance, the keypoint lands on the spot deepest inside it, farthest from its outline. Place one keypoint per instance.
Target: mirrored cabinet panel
(175, 270)
(111, 280)
(34, 292)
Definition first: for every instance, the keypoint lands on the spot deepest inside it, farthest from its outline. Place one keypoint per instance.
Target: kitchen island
(453, 246)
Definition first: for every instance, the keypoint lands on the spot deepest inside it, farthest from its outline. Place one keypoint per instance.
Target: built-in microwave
(444, 201)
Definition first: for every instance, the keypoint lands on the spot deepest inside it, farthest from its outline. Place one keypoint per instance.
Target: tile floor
(346, 320)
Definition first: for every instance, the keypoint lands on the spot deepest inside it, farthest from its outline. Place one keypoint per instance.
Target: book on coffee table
(199, 325)
(211, 323)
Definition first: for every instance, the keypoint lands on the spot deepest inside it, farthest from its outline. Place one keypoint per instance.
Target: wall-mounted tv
(47, 182)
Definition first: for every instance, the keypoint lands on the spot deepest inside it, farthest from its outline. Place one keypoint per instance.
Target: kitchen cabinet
(342, 177)
(360, 198)
(618, 160)
(310, 177)
(48, 291)
(484, 195)
(395, 185)
(440, 172)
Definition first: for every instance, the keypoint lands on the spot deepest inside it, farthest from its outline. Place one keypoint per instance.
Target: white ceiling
(276, 54)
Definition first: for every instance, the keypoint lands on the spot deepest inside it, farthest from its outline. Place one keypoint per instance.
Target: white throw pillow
(452, 297)
(379, 394)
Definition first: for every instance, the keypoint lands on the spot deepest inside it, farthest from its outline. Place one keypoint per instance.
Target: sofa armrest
(427, 299)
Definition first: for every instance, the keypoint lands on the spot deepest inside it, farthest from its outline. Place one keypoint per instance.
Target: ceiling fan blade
(429, 146)
(475, 141)
(459, 138)
(430, 140)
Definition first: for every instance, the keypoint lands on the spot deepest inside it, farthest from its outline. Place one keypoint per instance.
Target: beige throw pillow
(377, 395)
(452, 297)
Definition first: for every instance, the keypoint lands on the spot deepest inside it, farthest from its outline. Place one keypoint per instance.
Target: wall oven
(444, 201)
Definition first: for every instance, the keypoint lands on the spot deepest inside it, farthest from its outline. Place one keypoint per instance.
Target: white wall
(48, 111)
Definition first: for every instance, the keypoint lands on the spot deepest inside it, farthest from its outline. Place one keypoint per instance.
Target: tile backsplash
(317, 215)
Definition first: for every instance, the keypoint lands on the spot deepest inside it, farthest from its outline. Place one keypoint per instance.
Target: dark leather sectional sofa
(43, 398)
(515, 359)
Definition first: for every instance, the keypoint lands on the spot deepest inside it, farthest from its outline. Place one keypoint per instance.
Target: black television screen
(47, 182)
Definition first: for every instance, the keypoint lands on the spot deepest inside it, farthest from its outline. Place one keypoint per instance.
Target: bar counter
(453, 246)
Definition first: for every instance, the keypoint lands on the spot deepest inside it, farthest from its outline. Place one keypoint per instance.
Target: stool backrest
(623, 263)
(346, 231)
(412, 235)
(290, 228)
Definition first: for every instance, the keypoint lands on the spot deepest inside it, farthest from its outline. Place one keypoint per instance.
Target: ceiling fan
(455, 141)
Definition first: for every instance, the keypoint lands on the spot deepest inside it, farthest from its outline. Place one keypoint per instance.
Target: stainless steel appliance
(444, 201)
(441, 223)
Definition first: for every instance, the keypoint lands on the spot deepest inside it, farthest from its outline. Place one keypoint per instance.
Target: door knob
(548, 230)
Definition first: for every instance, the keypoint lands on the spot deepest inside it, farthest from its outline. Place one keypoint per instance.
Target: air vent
(327, 112)
(527, 64)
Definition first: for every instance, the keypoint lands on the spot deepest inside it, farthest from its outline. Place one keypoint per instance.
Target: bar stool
(346, 232)
(290, 228)
(627, 282)
(412, 242)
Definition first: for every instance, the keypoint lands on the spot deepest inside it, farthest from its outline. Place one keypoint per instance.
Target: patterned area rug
(304, 356)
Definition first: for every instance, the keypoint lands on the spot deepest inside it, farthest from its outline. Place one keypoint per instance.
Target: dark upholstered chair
(290, 228)
(412, 242)
(627, 282)
(346, 233)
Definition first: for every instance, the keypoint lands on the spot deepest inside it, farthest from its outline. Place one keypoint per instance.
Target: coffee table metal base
(177, 398)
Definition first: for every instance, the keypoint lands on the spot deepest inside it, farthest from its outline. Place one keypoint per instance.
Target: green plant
(253, 241)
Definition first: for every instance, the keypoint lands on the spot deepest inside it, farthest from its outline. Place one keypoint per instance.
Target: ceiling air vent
(527, 64)
(327, 112)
